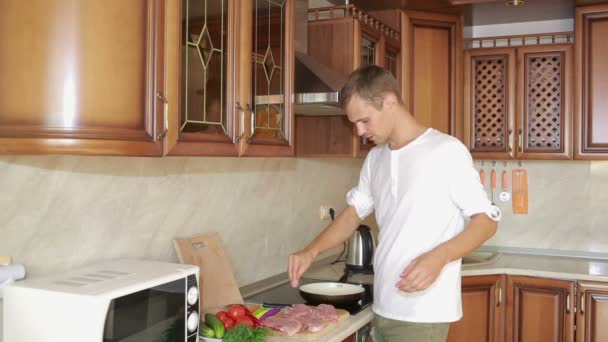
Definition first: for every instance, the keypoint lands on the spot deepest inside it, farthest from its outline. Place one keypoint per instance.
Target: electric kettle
(360, 250)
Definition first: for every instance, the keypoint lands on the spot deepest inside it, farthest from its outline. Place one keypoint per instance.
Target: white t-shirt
(421, 195)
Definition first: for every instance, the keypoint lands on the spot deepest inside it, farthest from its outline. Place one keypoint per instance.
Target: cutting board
(309, 335)
(219, 287)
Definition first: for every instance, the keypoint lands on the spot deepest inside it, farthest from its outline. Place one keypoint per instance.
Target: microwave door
(156, 314)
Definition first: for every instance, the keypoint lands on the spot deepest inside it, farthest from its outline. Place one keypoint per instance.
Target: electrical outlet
(324, 212)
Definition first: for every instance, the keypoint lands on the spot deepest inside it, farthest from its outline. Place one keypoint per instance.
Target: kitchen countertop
(585, 267)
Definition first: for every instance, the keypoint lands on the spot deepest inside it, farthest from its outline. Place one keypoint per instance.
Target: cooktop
(284, 295)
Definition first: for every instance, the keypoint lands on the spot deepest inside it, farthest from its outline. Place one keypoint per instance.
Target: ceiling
(482, 12)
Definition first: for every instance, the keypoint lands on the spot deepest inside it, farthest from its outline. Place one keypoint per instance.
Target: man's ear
(389, 100)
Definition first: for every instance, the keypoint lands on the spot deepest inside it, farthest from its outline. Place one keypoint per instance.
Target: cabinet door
(483, 310)
(206, 122)
(539, 310)
(592, 312)
(432, 54)
(544, 79)
(591, 83)
(269, 122)
(489, 102)
(83, 77)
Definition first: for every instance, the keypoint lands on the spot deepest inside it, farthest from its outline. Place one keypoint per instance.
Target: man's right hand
(299, 262)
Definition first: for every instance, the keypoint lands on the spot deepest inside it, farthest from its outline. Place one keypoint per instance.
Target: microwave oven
(113, 301)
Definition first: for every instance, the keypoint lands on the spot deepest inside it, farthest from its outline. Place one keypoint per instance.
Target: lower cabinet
(539, 310)
(592, 312)
(483, 310)
(515, 308)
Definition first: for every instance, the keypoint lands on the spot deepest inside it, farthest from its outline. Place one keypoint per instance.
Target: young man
(422, 185)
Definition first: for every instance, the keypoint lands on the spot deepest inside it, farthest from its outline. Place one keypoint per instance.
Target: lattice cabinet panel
(517, 102)
(543, 92)
(489, 102)
(544, 102)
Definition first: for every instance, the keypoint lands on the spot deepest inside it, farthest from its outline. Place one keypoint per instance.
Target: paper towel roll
(14, 272)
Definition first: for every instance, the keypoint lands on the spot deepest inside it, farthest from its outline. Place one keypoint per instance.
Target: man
(422, 185)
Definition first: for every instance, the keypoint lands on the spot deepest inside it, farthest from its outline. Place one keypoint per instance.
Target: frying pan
(332, 293)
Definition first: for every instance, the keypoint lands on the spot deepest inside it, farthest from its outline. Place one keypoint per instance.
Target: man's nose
(360, 129)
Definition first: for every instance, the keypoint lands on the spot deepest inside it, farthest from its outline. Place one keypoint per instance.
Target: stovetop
(284, 295)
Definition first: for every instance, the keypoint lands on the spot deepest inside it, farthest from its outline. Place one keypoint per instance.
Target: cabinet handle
(521, 141)
(252, 122)
(583, 303)
(510, 140)
(243, 110)
(163, 99)
(568, 303)
(499, 295)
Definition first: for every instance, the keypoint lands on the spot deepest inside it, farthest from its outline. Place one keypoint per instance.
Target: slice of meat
(327, 312)
(314, 324)
(287, 325)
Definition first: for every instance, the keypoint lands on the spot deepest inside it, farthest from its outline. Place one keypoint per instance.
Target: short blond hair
(371, 83)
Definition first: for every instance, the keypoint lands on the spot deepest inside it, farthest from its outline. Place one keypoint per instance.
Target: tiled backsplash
(64, 211)
(567, 210)
(60, 212)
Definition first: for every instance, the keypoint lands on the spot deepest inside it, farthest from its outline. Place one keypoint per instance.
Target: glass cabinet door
(205, 115)
(271, 121)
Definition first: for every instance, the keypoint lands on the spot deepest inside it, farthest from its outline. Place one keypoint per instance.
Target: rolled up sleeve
(360, 197)
(466, 189)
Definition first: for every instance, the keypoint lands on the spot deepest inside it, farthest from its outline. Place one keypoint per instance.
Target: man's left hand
(422, 271)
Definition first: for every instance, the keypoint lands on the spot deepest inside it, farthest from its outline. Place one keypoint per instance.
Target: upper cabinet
(236, 79)
(517, 102)
(422, 50)
(344, 38)
(432, 73)
(84, 77)
(591, 85)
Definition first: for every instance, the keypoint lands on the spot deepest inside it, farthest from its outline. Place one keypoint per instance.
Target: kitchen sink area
(478, 258)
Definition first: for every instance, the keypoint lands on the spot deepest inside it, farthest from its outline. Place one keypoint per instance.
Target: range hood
(316, 85)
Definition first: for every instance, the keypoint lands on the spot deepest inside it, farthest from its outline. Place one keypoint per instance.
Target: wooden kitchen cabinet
(518, 309)
(591, 84)
(539, 310)
(83, 79)
(483, 307)
(344, 38)
(432, 72)
(517, 102)
(426, 60)
(236, 82)
(592, 312)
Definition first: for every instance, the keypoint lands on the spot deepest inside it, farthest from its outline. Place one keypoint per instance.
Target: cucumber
(206, 330)
(215, 324)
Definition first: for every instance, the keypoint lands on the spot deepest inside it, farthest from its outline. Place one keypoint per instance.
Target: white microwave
(119, 300)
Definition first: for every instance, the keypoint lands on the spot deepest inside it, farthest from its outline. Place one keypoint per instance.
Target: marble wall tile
(60, 212)
(567, 207)
(64, 211)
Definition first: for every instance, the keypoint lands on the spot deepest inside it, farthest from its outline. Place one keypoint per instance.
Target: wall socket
(324, 213)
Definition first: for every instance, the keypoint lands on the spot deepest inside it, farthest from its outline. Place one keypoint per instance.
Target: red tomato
(221, 314)
(227, 322)
(235, 311)
(245, 320)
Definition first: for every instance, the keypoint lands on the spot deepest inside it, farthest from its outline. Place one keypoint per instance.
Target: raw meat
(312, 318)
(289, 326)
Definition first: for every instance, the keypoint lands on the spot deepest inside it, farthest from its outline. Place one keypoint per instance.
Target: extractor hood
(317, 86)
